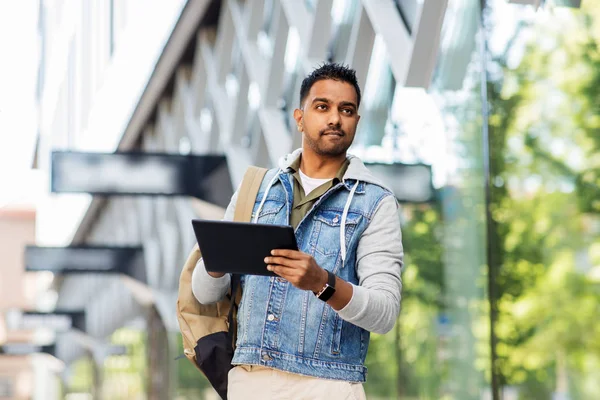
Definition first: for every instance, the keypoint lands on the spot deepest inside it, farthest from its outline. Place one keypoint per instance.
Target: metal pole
(158, 357)
(492, 292)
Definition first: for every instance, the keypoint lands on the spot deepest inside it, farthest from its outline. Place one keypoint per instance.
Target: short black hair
(337, 72)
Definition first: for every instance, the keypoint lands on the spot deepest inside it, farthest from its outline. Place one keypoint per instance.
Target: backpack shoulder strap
(197, 320)
(247, 194)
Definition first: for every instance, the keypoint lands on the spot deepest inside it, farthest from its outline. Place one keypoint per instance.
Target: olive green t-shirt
(302, 203)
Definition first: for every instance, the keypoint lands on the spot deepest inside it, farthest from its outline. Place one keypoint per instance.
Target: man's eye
(348, 111)
(321, 107)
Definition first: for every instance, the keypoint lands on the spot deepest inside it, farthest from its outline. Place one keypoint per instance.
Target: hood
(356, 169)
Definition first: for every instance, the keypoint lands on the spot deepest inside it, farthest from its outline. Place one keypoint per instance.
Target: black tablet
(240, 248)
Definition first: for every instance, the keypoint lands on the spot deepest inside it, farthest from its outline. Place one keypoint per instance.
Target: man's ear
(298, 114)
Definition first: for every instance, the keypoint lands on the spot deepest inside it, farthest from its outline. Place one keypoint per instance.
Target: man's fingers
(284, 261)
(294, 254)
(280, 270)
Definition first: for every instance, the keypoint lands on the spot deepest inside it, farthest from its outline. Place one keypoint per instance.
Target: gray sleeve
(206, 289)
(375, 302)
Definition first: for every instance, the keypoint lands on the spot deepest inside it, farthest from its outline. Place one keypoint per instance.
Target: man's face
(328, 117)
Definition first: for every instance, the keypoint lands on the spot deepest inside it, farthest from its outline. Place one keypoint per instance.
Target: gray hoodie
(375, 302)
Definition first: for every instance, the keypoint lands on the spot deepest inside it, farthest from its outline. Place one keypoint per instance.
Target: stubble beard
(330, 150)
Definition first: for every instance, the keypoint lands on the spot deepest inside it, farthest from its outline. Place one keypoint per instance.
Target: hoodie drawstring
(262, 202)
(344, 214)
(343, 226)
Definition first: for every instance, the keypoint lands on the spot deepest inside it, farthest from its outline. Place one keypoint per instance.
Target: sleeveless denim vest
(289, 329)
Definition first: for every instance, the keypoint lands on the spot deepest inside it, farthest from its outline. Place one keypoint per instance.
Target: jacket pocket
(327, 230)
(268, 212)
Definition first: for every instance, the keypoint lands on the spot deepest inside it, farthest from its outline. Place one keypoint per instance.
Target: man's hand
(298, 268)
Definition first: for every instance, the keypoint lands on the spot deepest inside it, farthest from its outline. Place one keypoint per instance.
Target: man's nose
(334, 118)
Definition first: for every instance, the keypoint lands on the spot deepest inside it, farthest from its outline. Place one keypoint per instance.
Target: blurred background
(121, 120)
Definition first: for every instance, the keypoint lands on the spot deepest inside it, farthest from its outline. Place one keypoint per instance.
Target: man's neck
(319, 167)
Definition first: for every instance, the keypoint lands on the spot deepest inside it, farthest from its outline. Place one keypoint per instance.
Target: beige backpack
(209, 330)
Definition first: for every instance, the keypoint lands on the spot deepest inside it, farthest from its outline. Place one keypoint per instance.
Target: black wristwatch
(329, 288)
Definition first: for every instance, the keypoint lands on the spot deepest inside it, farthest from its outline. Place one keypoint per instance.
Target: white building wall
(92, 82)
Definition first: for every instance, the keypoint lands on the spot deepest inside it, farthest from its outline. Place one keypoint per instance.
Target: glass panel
(440, 347)
(544, 76)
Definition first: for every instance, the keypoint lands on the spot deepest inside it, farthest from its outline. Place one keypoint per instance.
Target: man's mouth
(333, 133)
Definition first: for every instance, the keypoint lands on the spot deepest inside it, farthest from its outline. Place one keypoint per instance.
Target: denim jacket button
(271, 317)
(266, 357)
(335, 220)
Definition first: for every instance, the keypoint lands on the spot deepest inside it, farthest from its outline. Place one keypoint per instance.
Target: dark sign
(411, 183)
(157, 174)
(22, 349)
(87, 259)
(56, 320)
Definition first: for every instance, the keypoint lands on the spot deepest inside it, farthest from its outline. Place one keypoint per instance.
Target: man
(304, 335)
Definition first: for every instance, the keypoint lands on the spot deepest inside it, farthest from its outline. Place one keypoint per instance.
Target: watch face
(327, 293)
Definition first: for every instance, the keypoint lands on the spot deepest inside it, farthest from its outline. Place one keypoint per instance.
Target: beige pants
(248, 382)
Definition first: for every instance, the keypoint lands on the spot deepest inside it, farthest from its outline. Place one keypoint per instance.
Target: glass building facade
(501, 293)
